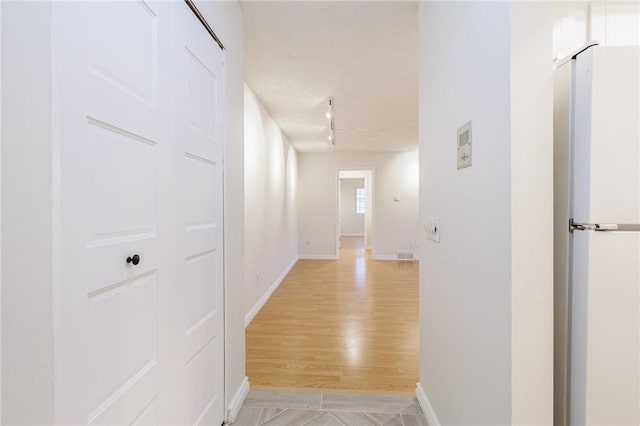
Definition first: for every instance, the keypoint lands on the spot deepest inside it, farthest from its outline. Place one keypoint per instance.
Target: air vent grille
(405, 255)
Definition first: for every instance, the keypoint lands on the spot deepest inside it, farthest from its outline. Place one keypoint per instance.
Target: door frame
(370, 186)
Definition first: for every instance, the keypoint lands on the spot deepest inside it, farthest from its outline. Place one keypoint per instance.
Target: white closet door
(198, 131)
(139, 134)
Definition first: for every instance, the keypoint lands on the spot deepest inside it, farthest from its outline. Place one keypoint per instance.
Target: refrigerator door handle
(603, 227)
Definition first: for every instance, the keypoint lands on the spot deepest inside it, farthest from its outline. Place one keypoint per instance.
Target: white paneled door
(198, 134)
(138, 299)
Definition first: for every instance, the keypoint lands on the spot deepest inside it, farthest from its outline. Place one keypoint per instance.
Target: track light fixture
(332, 131)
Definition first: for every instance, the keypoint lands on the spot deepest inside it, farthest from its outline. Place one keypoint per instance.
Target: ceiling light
(332, 132)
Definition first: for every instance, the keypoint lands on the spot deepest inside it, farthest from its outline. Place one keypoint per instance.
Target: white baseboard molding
(352, 235)
(317, 257)
(385, 257)
(256, 308)
(427, 409)
(238, 400)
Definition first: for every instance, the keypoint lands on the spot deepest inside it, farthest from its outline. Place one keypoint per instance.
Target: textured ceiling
(364, 54)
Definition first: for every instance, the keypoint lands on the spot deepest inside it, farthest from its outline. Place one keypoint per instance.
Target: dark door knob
(135, 259)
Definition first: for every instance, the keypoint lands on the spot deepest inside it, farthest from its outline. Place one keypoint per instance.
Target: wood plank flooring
(346, 325)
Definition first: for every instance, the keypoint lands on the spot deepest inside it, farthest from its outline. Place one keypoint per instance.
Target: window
(359, 200)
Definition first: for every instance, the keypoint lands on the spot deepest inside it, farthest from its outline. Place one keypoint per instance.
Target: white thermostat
(464, 146)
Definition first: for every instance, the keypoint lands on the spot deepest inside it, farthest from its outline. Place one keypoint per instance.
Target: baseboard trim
(317, 257)
(427, 409)
(352, 235)
(256, 308)
(238, 400)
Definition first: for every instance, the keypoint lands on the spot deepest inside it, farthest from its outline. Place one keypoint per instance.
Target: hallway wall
(27, 209)
(271, 229)
(395, 224)
(609, 22)
(486, 289)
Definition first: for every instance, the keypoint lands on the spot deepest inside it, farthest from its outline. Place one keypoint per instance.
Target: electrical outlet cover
(433, 229)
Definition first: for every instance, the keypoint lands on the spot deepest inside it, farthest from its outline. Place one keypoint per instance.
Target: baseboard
(385, 257)
(238, 400)
(256, 308)
(352, 235)
(427, 409)
(317, 257)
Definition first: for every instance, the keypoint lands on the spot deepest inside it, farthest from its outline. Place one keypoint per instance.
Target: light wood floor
(346, 325)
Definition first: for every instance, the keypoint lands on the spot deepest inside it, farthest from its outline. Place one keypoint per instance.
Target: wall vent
(405, 255)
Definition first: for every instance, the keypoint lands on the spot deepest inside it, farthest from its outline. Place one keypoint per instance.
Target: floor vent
(405, 255)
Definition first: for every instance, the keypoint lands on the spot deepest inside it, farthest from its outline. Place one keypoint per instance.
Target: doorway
(355, 212)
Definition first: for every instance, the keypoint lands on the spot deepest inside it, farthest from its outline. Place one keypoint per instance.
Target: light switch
(433, 229)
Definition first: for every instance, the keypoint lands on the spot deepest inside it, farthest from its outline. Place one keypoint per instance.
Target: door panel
(123, 172)
(111, 96)
(199, 62)
(126, 30)
(121, 347)
(200, 205)
(138, 344)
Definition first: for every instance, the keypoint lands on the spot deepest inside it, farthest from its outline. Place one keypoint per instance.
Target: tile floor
(328, 409)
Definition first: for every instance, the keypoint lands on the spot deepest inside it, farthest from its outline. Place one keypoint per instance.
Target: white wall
(0, 215)
(532, 328)
(271, 229)
(227, 21)
(351, 223)
(395, 223)
(27, 196)
(486, 301)
(615, 23)
(610, 23)
(27, 332)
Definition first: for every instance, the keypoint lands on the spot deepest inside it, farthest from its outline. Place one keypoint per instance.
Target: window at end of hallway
(359, 200)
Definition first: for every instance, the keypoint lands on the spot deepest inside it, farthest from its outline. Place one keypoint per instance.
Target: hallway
(345, 325)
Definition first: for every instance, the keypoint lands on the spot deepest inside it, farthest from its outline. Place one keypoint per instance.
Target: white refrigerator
(597, 237)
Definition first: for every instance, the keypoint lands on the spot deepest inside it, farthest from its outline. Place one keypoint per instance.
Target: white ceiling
(363, 54)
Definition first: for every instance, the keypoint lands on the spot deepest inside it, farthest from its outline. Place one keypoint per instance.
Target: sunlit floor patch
(347, 325)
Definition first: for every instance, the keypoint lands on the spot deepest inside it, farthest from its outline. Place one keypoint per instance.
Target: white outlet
(432, 228)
